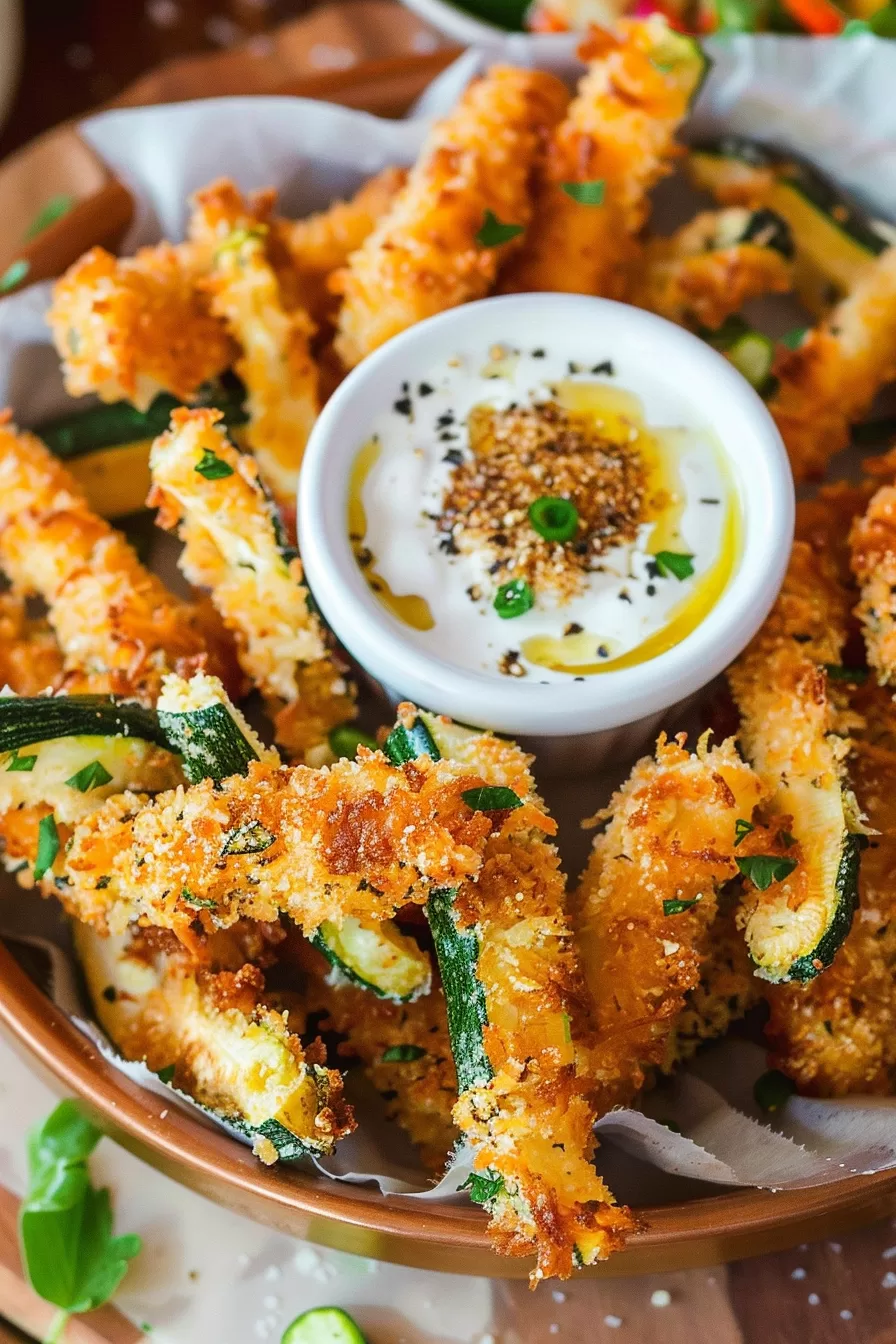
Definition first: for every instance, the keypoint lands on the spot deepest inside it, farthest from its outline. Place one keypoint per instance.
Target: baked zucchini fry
(837, 1035)
(517, 1018)
(707, 270)
(229, 1050)
(215, 742)
(829, 382)
(234, 546)
(30, 658)
(360, 839)
(648, 900)
(319, 244)
(619, 131)
(118, 627)
(800, 910)
(426, 254)
(872, 542)
(127, 328)
(270, 325)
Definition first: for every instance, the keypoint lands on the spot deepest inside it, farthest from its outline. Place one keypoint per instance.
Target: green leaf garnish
(196, 902)
(493, 233)
(47, 846)
(793, 339)
(771, 1090)
(253, 838)
(65, 1225)
(166, 1075)
(91, 776)
(483, 1186)
(764, 869)
(742, 828)
(585, 193)
(212, 467)
(491, 798)
(674, 563)
(554, 519)
(857, 676)
(513, 599)
(14, 275)
(55, 208)
(24, 764)
(402, 1054)
(345, 739)
(676, 907)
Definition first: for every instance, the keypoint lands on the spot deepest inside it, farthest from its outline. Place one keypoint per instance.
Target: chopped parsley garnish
(197, 902)
(212, 467)
(55, 208)
(771, 1090)
(345, 739)
(166, 1075)
(491, 798)
(585, 193)
(253, 838)
(513, 599)
(857, 676)
(493, 233)
(483, 1186)
(24, 764)
(742, 828)
(91, 776)
(14, 275)
(554, 519)
(673, 563)
(403, 406)
(764, 869)
(676, 907)
(47, 846)
(103, 882)
(402, 1054)
(794, 339)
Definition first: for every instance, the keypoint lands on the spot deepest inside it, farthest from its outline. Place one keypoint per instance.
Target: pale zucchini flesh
(377, 957)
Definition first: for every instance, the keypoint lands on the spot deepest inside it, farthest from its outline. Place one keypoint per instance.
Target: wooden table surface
(79, 53)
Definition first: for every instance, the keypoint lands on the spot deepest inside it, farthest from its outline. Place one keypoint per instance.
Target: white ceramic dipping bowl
(603, 718)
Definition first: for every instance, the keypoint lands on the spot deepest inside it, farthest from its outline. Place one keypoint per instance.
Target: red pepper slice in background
(822, 18)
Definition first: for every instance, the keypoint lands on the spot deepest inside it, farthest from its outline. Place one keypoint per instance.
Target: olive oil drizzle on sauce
(619, 416)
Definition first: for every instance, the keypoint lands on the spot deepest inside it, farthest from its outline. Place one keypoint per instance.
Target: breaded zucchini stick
(321, 243)
(619, 130)
(359, 838)
(711, 266)
(128, 328)
(831, 379)
(234, 546)
(30, 658)
(648, 900)
(423, 256)
(118, 627)
(270, 325)
(230, 1050)
(872, 542)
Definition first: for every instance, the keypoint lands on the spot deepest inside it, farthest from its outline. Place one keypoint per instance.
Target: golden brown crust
(872, 541)
(30, 657)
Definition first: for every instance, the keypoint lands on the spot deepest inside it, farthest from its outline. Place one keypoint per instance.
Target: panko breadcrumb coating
(648, 899)
(619, 130)
(423, 255)
(128, 328)
(831, 379)
(118, 627)
(696, 280)
(872, 541)
(230, 1050)
(30, 657)
(359, 838)
(270, 325)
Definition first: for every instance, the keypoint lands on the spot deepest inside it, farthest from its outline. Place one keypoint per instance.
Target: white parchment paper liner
(831, 101)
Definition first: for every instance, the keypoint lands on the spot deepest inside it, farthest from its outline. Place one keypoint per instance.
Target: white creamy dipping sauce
(440, 521)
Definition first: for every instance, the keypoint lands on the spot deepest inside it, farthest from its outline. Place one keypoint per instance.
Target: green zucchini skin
(410, 967)
(209, 741)
(813, 963)
(119, 422)
(26, 720)
(767, 229)
(323, 1325)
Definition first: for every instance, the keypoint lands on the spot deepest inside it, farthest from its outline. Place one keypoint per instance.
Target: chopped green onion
(554, 519)
(212, 467)
(676, 907)
(513, 599)
(493, 233)
(402, 1054)
(91, 776)
(771, 1090)
(585, 193)
(345, 739)
(491, 798)
(47, 846)
(671, 562)
(764, 869)
(742, 828)
(23, 764)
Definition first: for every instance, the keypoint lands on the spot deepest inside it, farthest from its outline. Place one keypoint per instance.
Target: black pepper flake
(606, 366)
(578, 678)
(403, 406)
(364, 556)
(538, 354)
(710, 501)
(573, 629)
(651, 590)
(425, 389)
(603, 651)
(510, 664)
(573, 367)
(444, 420)
(624, 596)
(474, 592)
(405, 387)
(447, 437)
(454, 456)
(802, 639)
(449, 546)
(653, 569)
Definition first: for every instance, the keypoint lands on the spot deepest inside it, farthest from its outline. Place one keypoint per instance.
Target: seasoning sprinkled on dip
(528, 514)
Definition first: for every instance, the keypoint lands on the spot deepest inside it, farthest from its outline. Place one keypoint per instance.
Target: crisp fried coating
(358, 838)
(271, 327)
(229, 1048)
(648, 899)
(30, 658)
(831, 379)
(691, 279)
(128, 328)
(423, 256)
(619, 130)
(872, 543)
(118, 627)
(234, 546)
